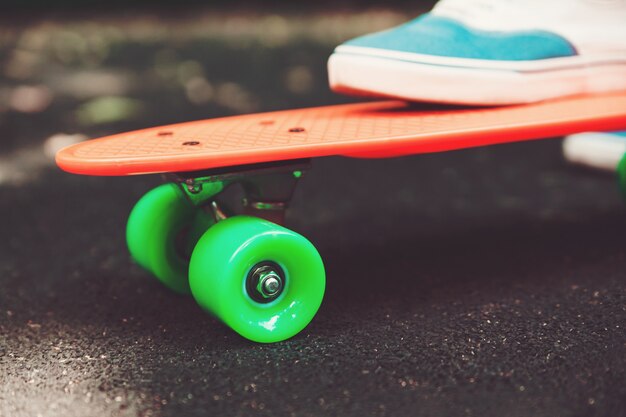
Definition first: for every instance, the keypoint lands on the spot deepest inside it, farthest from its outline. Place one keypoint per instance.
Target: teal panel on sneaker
(434, 35)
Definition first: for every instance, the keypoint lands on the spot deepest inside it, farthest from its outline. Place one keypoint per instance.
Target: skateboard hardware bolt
(265, 282)
(165, 133)
(192, 186)
(191, 143)
(218, 214)
(270, 284)
(266, 122)
(296, 129)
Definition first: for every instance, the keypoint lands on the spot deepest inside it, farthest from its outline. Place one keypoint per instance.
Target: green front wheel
(264, 281)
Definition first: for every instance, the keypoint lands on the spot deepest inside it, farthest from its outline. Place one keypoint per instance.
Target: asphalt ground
(483, 282)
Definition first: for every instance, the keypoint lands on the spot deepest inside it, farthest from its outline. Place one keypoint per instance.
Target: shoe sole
(595, 150)
(366, 71)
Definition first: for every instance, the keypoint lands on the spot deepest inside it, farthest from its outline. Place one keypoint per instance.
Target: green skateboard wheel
(264, 281)
(621, 175)
(162, 230)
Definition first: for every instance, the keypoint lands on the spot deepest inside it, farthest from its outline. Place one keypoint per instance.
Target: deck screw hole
(191, 143)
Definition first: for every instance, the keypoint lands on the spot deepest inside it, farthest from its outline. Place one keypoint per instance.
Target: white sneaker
(491, 52)
(596, 150)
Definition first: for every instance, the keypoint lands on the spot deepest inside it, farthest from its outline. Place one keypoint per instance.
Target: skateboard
(263, 280)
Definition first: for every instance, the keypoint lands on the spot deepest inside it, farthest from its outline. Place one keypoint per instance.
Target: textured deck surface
(372, 129)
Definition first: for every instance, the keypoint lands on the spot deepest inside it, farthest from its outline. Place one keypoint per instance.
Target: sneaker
(596, 150)
(490, 52)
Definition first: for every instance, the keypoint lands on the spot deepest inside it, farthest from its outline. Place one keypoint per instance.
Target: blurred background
(76, 69)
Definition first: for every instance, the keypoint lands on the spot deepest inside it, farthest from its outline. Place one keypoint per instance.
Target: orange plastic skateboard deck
(379, 129)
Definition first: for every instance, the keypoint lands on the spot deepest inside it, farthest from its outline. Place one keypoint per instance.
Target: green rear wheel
(264, 281)
(162, 230)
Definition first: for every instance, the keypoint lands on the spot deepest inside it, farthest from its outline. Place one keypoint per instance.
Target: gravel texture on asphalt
(483, 282)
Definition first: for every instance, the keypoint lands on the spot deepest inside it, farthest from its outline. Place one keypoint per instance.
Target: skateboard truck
(268, 187)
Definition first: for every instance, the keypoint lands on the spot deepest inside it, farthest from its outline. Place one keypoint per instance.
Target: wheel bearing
(265, 282)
